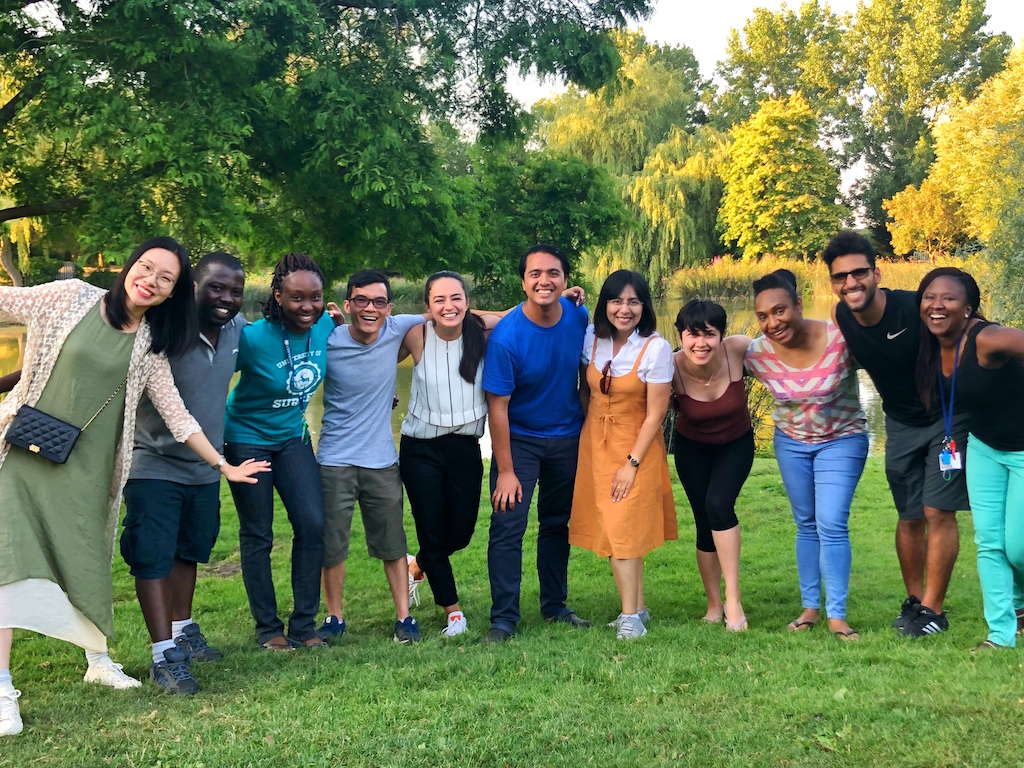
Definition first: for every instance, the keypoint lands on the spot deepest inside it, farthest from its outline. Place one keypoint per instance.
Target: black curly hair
(290, 262)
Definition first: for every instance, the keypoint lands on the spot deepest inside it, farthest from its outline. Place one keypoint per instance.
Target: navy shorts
(168, 521)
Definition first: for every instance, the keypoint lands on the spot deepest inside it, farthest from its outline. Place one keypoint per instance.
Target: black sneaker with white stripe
(908, 611)
(926, 622)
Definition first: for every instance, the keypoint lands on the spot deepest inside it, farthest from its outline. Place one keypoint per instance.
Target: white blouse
(655, 368)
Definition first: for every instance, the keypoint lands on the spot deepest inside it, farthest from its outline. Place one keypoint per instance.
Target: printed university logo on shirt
(303, 379)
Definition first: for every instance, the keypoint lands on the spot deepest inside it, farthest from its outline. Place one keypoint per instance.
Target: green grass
(687, 694)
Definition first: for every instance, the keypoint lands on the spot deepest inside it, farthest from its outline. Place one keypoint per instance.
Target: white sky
(704, 26)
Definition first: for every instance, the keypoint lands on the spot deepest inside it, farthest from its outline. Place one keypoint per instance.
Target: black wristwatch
(633, 461)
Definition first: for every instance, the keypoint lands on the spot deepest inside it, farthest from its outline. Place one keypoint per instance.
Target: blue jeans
(550, 461)
(296, 475)
(820, 479)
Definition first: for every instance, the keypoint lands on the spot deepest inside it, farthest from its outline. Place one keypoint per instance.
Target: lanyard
(304, 397)
(947, 416)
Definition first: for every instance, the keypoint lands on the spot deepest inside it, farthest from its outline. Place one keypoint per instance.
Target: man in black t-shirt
(882, 328)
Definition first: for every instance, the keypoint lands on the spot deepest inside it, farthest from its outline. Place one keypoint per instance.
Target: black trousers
(442, 477)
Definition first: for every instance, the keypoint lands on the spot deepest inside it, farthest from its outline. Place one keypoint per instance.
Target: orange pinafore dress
(644, 519)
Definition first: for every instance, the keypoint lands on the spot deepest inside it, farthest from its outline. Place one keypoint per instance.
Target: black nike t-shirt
(888, 352)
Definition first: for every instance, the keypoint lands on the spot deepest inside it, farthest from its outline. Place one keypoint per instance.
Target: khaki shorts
(379, 493)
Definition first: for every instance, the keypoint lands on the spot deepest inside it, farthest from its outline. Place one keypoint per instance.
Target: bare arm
(243, 473)
(584, 389)
(736, 349)
(657, 407)
(996, 344)
(8, 382)
(508, 491)
(412, 344)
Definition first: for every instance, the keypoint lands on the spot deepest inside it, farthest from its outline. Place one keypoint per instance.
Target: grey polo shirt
(202, 375)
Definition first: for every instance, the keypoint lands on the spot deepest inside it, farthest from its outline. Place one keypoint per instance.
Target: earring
(968, 314)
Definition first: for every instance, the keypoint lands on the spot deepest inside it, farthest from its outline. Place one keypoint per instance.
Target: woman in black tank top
(967, 361)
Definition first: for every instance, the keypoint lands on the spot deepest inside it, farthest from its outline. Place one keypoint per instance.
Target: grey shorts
(912, 468)
(379, 493)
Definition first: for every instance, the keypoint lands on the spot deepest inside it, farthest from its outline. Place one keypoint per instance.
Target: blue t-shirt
(264, 408)
(358, 393)
(539, 368)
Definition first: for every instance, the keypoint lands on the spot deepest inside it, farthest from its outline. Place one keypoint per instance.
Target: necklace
(709, 379)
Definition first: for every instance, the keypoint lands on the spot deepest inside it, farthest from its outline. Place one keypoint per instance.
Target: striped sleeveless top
(815, 404)
(441, 402)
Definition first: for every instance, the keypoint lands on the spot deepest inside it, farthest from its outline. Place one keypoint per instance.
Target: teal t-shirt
(264, 408)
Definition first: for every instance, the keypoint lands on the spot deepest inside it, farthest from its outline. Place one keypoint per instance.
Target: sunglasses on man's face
(858, 274)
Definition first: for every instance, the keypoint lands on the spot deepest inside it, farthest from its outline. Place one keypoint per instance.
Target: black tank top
(992, 397)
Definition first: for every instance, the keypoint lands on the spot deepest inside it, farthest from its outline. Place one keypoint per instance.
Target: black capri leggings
(712, 476)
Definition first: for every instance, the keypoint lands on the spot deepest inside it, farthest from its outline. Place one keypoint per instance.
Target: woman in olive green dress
(57, 521)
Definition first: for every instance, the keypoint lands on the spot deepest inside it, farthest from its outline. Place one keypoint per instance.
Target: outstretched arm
(996, 344)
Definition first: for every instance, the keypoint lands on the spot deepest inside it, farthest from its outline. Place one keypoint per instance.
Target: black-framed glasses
(858, 274)
(362, 302)
(606, 379)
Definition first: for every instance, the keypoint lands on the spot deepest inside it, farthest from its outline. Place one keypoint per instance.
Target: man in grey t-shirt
(172, 496)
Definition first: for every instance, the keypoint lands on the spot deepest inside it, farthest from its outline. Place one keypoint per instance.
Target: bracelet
(633, 462)
(220, 463)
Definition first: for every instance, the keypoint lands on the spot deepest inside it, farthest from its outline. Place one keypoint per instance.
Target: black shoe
(908, 611)
(201, 651)
(407, 631)
(173, 675)
(496, 635)
(572, 620)
(926, 622)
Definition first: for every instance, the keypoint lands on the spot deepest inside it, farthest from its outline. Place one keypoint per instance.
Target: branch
(22, 97)
(42, 209)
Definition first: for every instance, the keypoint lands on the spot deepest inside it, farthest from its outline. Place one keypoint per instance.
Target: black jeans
(712, 476)
(550, 461)
(296, 475)
(442, 477)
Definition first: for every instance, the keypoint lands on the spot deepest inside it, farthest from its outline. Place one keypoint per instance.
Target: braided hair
(290, 262)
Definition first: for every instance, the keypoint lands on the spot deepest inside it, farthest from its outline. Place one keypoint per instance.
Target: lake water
(741, 319)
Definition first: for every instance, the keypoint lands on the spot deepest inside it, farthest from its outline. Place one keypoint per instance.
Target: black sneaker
(908, 611)
(496, 635)
(332, 629)
(407, 631)
(173, 675)
(200, 650)
(926, 622)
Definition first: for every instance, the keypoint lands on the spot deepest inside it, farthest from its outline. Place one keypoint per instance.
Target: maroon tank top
(716, 422)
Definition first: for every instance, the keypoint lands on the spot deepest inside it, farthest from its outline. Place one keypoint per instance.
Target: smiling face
(854, 281)
(778, 315)
(151, 279)
(369, 319)
(301, 297)
(544, 279)
(624, 311)
(944, 308)
(447, 302)
(219, 295)
(699, 348)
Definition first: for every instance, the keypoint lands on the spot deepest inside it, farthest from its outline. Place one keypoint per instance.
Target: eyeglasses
(631, 303)
(858, 274)
(163, 279)
(362, 302)
(606, 381)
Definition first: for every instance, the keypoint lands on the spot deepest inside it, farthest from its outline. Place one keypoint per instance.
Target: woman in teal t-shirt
(282, 360)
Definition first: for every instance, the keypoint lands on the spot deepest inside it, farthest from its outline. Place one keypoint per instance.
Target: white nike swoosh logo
(891, 336)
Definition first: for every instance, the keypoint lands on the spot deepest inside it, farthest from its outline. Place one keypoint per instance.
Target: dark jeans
(296, 475)
(442, 477)
(712, 476)
(551, 462)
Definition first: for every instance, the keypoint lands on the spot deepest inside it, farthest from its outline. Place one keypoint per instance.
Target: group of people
(575, 410)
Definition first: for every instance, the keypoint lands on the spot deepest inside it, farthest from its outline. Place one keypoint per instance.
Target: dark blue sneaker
(331, 629)
(173, 675)
(201, 650)
(407, 631)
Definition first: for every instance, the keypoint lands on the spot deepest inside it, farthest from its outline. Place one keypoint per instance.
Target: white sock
(631, 616)
(95, 657)
(6, 684)
(158, 649)
(178, 627)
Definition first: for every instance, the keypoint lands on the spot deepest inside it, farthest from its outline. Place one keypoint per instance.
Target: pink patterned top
(816, 404)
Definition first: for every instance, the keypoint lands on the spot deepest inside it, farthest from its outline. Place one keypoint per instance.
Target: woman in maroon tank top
(714, 448)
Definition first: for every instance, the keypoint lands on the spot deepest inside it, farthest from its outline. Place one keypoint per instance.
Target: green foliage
(780, 190)
(928, 219)
(102, 278)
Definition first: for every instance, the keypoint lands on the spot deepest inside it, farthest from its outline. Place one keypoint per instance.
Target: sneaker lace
(198, 642)
(9, 704)
(179, 670)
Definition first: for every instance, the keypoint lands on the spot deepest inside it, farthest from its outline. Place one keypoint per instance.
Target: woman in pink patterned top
(820, 440)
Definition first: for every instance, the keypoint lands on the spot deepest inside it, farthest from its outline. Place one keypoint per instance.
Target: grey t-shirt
(202, 375)
(358, 392)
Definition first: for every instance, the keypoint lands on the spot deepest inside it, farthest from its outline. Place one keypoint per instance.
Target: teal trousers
(995, 484)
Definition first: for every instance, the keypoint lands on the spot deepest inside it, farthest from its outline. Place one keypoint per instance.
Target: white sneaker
(414, 584)
(456, 625)
(107, 672)
(10, 715)
(630, 628)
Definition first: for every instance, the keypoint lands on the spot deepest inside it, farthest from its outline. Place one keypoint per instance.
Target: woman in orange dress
(622, 503)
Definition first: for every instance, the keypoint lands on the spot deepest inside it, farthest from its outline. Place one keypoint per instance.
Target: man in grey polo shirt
(173, 496)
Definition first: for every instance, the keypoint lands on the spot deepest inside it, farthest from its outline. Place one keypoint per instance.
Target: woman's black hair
(697, 315)
(290, 262)
(612, 289)
(173, 322)
(929, 361)
(780, 278)
(472, 329)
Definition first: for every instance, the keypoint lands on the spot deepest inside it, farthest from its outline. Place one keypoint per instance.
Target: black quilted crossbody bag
(47, 436)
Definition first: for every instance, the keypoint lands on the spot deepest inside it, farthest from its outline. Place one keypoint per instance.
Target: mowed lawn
(687, 694)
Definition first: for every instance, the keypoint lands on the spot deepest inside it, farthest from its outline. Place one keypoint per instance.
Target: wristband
(633, 462)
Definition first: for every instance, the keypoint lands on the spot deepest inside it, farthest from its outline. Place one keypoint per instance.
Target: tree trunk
(8, 263)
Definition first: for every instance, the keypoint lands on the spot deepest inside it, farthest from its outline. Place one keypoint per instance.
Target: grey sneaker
(630, 628)
(200, 649)
(173, 674)
(572, 620)
(643, 613)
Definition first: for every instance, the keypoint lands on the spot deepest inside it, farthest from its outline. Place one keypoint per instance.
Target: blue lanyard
(303, 398)
(947, 416)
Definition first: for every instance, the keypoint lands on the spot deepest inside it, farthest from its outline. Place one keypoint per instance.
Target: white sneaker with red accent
(456, 624)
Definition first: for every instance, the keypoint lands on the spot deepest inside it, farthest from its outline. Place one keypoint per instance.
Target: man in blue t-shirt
(531, 376)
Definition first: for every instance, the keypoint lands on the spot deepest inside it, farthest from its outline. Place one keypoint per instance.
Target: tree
(926, 219)
(780, 190)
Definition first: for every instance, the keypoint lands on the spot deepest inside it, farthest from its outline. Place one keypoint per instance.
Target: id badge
(305, 433)
(949, 461)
